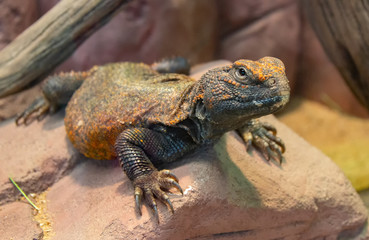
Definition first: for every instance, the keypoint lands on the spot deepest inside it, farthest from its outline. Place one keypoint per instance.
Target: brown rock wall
(200, 30)
(15, 17)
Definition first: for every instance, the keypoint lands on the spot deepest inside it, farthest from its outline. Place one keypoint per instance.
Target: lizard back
(118, 96)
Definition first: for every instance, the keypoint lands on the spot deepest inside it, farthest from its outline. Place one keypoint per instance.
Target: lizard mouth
(268, 105)
(275, 102)
(278, 100)
(246, 108)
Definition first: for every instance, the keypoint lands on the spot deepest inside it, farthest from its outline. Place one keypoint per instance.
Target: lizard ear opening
(200, 110)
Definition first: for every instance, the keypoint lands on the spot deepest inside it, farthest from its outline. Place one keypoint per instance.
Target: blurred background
(323, 110)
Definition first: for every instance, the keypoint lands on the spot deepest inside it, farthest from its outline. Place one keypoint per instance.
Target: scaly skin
(131, 112)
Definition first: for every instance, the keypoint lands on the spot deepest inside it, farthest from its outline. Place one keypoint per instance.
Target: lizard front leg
(263, 136)
(138, 149)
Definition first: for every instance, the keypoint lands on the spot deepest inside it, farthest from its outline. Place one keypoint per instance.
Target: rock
(16, 103)
(228, 194)
(15, 16)
(237, 13)
(342, 137)
(35, 156)
(364, 195)
(148, 31)
(16, 222)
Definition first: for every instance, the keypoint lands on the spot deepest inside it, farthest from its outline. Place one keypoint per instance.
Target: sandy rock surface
(16, 222)
(35, 156)
(229, 194)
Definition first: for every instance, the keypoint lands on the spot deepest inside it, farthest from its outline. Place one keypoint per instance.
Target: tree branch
(343, 29)
(50, 40)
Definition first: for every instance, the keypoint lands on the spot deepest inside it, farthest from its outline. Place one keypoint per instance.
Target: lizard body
(132, 112)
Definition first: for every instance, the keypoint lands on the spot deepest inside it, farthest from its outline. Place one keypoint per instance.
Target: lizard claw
(269, 144)
(138, 198)
(39, 108)
(155, 185)
(167, 173)
(263, 137)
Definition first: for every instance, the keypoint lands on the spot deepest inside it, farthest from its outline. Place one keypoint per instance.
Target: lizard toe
(151, 202)
(268, 143)
(39, 108)
(166, 173)
(162, 196)
(155, 186)
(170, 183)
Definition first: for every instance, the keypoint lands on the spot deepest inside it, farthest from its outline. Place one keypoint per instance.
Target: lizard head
(245, 89)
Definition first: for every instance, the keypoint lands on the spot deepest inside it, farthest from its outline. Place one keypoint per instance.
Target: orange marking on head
(262, 69)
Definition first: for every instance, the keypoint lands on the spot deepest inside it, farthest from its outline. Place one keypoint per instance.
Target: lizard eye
(241, 73)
